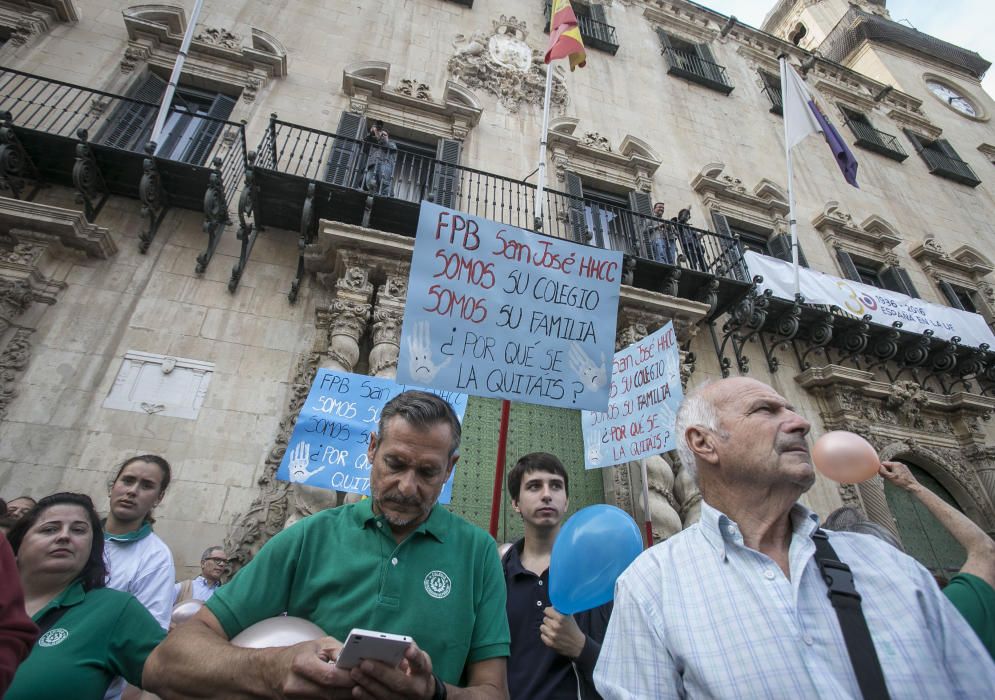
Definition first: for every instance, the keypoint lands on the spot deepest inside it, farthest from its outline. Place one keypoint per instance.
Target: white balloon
(279, 631)
(184, 611)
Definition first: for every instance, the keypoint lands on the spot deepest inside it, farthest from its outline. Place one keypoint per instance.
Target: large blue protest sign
(329, 444)
(645, 394)
(494, 310)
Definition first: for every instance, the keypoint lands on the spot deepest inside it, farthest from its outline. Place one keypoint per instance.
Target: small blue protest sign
(645, 395)
(494, 310)
(328, 447)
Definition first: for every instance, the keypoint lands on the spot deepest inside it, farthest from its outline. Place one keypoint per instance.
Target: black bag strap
(846, 603)
(48, 620)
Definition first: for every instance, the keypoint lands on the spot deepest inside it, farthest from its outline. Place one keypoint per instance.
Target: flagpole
(542, 147)
(174, 76)
(792, 222)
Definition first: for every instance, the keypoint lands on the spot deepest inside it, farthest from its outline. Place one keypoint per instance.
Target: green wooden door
(922, 535)
(532, 429)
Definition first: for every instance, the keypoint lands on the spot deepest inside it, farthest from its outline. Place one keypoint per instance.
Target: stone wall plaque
(160, 384)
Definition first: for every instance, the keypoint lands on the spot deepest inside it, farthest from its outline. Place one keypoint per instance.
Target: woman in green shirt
(89, 634)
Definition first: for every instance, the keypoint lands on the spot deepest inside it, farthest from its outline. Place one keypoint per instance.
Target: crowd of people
(754, 600)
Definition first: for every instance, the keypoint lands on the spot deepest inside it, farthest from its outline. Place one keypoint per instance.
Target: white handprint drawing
(298, 465)
(591, 375)
(420, 363)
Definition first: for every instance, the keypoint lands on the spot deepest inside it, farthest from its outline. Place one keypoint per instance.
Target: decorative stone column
(348, 322)
(350, 315)
(387, 318)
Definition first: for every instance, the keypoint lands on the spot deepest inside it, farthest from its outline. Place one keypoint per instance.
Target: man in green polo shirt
(396, 563)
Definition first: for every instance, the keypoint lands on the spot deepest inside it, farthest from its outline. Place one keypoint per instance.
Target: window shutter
(666, 48)
(578, 223)
(951, 294)
(208, 130)
(598, 27)
(847, 267)
(131, 123)
(446, 179)
(664, 39)
(732, 259)
(897, 279)
(944, 146)
(772, 84)
(708, 66)
(639, 203)
(917, 142)
(342, 160)
(780, 248)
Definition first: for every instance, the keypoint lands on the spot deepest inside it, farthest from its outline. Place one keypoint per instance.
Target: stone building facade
(181, 302)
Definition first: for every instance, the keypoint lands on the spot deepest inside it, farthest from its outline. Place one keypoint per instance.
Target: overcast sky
(967, 23)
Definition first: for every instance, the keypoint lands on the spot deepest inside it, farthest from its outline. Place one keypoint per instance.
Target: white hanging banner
(884, 307)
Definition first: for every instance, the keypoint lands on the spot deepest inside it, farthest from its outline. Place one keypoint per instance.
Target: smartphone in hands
(368, 644)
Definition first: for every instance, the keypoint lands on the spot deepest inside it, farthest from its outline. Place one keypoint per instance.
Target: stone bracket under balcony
(811, 336)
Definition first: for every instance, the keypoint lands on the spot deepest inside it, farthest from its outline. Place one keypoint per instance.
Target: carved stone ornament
(13, 361)
(503, 64)
(413, 88)
(15, 297)
(251, 88)
(219, 37)
(133, 55)
(592, 139)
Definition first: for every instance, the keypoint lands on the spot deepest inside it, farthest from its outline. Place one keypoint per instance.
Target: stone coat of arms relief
(503, 64)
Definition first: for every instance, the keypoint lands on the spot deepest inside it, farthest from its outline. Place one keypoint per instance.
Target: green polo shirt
(975, 600)
(341, 568)
(104, 634)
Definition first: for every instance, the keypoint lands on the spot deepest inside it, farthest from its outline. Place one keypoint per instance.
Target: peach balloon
(845, 457)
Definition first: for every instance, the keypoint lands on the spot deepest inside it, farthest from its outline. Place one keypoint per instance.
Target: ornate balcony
(874, 140)
(303, 175)
(692, 67)
(949, 167)
(596, 33)
(60, 133)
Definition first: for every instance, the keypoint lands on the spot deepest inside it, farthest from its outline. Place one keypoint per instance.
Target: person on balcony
(380, 166)
(660, 234)
(694, 251)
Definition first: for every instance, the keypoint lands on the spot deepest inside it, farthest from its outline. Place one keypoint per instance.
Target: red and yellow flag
(564, 36)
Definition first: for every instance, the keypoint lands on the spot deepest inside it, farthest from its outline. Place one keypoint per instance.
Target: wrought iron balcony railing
(595, 33)
(692, 67)
(949, 167)
(773, 93)
(365, 168)
(873, 140)
(97, 142)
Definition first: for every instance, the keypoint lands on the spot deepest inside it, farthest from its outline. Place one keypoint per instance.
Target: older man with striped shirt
(735, 605)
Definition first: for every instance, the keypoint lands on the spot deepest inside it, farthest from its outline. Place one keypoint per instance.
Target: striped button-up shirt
(702, 615)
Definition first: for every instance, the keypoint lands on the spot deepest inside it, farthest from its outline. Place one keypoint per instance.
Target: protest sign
(329, 444)
(645, 394)
(494, 310)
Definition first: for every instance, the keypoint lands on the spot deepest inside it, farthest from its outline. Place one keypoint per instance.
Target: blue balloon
(594, 546)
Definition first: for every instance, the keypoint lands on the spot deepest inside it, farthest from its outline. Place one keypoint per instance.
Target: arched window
(922, 535)
(798, 34)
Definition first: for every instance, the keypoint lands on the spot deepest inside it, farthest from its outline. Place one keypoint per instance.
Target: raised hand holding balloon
(845, 457)
(593, 548)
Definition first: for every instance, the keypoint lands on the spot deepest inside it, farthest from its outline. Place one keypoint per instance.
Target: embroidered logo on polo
(54, 637)
(437, 584)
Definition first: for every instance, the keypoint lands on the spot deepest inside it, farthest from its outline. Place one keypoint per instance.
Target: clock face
(952, 97)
